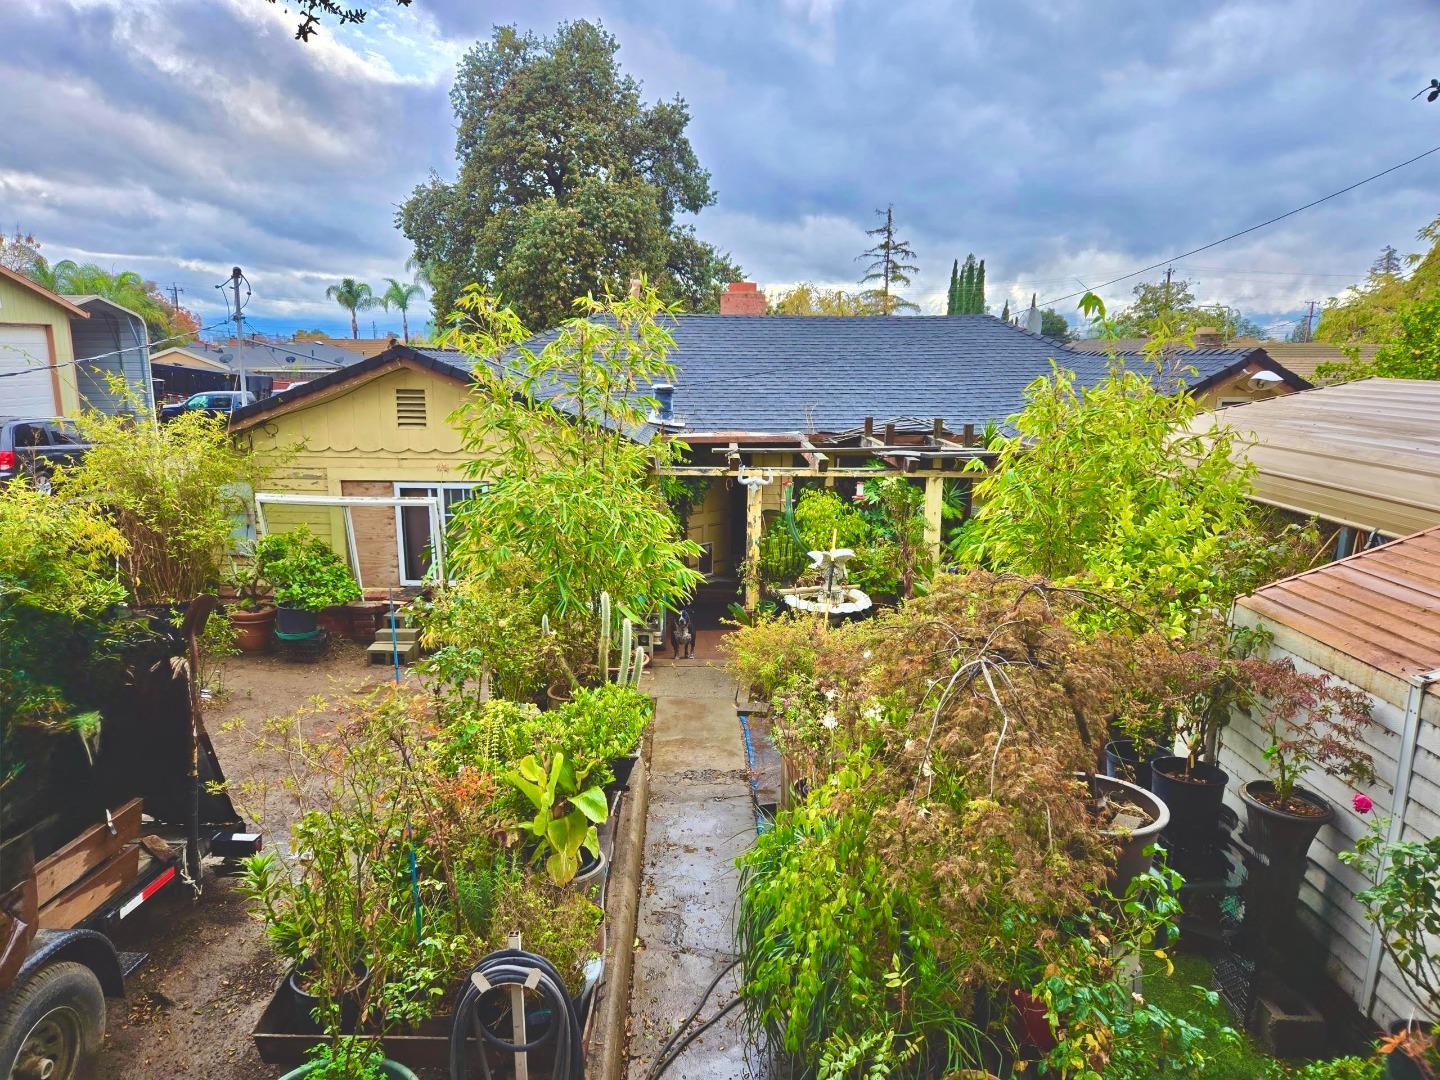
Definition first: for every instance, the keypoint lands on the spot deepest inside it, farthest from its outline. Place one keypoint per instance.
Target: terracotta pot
(254, 629)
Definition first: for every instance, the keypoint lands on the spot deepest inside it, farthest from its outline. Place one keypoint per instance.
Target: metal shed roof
(1365, 454)
(1381, 607)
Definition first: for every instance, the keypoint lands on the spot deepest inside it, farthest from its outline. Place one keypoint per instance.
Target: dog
(682, 634)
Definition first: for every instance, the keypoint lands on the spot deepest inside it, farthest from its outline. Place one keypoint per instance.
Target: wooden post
(517, 1017)
(934, 505)
(754, 521)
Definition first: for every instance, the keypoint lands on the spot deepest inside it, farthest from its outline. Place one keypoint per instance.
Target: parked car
(216, 402)
(33, 446)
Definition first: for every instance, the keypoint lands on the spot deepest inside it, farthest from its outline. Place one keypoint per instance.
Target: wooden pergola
(922, 452)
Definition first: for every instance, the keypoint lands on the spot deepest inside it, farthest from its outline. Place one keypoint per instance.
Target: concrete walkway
(700, 819)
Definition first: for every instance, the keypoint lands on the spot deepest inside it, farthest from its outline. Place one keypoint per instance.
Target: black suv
(32, 447)
(215, 402)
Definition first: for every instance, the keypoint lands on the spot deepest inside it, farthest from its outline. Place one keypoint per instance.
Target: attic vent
(410, 408)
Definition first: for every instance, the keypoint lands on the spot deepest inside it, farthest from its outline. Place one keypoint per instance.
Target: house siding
(20, 306)
(352, 443)
(1328, 908)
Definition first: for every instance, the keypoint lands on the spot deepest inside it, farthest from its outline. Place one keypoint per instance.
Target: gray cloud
(1059, 140)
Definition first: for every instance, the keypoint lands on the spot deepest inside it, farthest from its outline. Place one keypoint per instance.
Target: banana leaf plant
(565, 812)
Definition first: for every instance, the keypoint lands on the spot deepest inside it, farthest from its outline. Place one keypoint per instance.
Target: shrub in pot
(308, 577)
(1310, 723)
(251, 615)
(600, 729)
(566, 813)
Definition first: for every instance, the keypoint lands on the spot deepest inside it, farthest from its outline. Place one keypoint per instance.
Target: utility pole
(1309, 318)
(175, 292)
(1168, 271)
(235, 278)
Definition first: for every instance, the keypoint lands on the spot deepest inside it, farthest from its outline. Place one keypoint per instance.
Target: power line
(1252, 228)
(101, 356)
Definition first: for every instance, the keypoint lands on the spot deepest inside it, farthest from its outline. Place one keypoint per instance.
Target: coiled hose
(503, 969)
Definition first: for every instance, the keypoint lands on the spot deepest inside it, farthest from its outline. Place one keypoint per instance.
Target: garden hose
(669, 1052)
(503, 969)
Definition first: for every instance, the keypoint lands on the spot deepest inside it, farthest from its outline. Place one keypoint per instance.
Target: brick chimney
(1207, 337)
(742, 298)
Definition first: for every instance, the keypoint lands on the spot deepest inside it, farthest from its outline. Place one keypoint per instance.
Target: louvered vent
(410, 408)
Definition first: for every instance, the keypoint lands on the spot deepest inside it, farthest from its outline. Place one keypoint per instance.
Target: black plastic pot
(1124, 762)
(622, 767)
(1398, 1064)
(303, 1003)
(1284, 839)
(296, 621)
(1131, 859)
(1193, 794)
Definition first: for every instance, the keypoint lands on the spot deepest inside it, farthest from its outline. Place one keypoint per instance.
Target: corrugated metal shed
(1365, 454)
(112, 341)
(1381, 607)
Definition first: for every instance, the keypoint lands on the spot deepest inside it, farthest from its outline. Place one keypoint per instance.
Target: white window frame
(345, 502)
(435, 496)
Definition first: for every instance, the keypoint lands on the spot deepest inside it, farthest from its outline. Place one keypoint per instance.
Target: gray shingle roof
(786, 374)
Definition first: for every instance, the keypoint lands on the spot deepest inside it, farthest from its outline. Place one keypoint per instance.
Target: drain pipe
(1404, 772)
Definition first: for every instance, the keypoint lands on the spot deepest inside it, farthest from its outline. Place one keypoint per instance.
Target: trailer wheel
(52, 1025)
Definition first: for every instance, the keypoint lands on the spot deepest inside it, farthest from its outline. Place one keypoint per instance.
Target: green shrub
(305, 571)
(554, 922)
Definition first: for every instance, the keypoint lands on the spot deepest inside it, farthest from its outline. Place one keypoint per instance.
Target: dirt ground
(190, 1009)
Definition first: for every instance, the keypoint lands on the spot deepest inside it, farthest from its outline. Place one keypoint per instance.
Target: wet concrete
(700, 819)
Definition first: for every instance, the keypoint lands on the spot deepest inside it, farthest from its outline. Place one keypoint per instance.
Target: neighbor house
(57, 353)
(772, 393)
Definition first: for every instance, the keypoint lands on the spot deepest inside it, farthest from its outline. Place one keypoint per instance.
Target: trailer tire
(52, 1025)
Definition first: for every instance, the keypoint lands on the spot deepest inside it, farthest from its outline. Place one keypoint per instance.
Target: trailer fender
(87, 947)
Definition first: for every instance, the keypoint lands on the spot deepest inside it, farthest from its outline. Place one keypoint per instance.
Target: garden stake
(415, 893)
(394, 635)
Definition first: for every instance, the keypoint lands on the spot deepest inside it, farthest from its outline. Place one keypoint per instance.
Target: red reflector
(7, 460)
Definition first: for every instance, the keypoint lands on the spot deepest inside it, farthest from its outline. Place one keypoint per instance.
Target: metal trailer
(113, 831)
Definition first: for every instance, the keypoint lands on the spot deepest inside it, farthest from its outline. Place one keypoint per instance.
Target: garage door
(27, 387)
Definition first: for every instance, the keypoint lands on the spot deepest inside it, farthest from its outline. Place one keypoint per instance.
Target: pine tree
(967, 286)
(977, 301)
(1005, 313)
(888, 265)
(1388, 264)
(952, 298)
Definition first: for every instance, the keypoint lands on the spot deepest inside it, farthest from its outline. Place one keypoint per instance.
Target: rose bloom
(1362, 803)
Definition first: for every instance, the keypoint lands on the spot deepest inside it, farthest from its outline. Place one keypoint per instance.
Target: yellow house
(376, 429)
(37, 357)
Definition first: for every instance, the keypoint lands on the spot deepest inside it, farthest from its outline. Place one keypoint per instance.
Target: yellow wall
(351, 441)
(23, 306)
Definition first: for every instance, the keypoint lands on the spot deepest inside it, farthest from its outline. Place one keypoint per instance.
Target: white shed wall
(1327, 897)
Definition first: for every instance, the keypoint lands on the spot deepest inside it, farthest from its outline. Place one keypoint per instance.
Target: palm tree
(127, 288)
(353, 296)
(398, 295)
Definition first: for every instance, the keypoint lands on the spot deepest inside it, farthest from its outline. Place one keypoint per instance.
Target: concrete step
(403, 634)
(382, 653)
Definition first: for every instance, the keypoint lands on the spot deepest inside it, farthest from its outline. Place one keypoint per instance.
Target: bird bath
(833, 597)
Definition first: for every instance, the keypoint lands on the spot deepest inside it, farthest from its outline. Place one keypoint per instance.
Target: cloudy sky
(1064, 141)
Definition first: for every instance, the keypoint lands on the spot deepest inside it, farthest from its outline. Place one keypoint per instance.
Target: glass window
(63, 433)
(413, 524)
(30, 435)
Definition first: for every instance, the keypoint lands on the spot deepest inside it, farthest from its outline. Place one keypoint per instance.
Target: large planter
(1124, 762)
(622, 767)
(1283, 837)
(296, 621)
(304, 1003)
(393, 1070)
(590, 878)
(1193, 794)
(254, 630)
(1132, 859)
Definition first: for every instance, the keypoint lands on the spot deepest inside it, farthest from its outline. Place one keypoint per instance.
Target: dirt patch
(190, 1009)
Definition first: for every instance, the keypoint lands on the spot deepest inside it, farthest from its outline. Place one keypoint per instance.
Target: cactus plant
(604, 642)
(627, 646)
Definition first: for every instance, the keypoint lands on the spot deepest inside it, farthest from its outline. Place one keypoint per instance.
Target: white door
(27, 385)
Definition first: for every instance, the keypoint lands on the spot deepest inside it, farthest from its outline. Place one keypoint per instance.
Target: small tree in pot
(308, 577)
(1310, 723)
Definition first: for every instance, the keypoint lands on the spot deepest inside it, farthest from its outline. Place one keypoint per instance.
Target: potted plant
(308, 577)
(350, 1058)
(252, 616)
(1309, 722)
(566, 814)
(601, 729)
